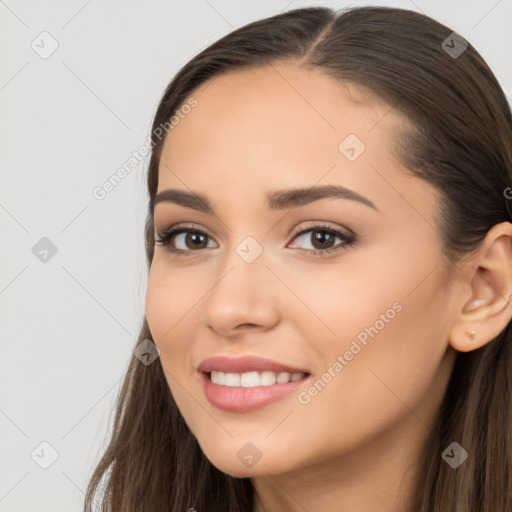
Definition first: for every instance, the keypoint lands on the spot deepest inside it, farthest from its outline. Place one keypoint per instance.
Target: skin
(356, 445)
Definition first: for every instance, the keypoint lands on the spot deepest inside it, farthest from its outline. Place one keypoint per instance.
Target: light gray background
(68, 122)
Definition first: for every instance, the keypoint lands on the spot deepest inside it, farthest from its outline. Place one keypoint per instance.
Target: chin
(245, 461)
(238, 471)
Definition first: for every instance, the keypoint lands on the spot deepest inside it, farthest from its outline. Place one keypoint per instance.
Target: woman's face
(368, 322)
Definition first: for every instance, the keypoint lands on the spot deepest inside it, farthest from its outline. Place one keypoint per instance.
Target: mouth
(246, 383)
(249, 391)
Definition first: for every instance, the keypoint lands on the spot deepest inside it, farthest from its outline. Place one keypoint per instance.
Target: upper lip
(245, 364)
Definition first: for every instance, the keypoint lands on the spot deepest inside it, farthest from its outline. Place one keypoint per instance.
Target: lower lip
(239, 399)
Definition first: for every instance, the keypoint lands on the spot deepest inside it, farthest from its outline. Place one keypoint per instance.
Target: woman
(329, 291)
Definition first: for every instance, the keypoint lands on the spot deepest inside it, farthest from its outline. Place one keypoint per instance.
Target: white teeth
(250, 379)
(267, 378)
(283, 377)
(219, 378)
(233, 380)
(253, 379)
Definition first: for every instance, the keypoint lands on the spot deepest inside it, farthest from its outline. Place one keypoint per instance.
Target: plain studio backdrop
(79, 84)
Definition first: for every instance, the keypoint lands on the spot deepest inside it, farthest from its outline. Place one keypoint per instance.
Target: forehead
(251, 106)
(266, 128)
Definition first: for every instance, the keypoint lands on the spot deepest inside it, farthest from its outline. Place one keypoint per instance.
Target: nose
(243, 297)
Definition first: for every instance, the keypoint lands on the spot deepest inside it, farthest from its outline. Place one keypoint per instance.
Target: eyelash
(349, 240)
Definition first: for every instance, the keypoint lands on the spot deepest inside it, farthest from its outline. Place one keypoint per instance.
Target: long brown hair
(460, 141)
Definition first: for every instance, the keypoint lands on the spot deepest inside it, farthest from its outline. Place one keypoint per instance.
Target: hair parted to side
(460, 141)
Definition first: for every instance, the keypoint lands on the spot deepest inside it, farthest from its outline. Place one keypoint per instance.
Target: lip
(245, 364)
(240, 399)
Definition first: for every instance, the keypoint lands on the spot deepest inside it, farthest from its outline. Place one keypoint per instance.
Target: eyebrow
(278, 200)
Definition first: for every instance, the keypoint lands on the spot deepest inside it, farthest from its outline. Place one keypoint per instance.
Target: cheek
(335, 303)
(168, 309)
(170, 296)
(390, 329)
(170, 316)
(382, 381)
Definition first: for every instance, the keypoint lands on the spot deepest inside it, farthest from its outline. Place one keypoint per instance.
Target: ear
(488, 276)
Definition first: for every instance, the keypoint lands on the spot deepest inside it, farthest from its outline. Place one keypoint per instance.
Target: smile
(253, 379)
(244, 392)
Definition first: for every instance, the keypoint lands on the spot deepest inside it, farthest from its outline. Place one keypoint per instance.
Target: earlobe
(478, 326)
(468, 340)
(489, 276)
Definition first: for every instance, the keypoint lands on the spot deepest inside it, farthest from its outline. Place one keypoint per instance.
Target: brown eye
(192, 239)
(322, 239)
